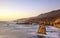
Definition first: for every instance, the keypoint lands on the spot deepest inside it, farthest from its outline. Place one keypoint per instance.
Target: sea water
(25, 31)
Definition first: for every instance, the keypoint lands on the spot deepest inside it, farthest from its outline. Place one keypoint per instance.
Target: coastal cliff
(47, 18)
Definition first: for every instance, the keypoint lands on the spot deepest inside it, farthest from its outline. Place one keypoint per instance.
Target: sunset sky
(17, 9)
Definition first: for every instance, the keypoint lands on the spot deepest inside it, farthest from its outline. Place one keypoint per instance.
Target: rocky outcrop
(51, 18)
(57, 23)
(41, 29)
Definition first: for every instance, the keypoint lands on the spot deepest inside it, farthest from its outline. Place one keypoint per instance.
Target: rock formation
(51, 18)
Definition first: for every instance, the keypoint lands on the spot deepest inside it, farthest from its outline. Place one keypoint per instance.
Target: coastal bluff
(49, 18)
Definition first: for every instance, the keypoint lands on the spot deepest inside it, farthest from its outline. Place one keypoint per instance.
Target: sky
(17, 9)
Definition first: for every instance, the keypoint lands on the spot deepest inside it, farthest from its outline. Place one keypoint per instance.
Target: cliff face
(47, 17)
(44, 18)
(52, 18)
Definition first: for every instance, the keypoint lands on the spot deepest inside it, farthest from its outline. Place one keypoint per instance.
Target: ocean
(25, 31)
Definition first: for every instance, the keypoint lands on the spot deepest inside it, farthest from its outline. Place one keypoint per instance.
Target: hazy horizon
(17, 9)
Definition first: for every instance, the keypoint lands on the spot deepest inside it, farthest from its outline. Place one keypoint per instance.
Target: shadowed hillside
(52, 14)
